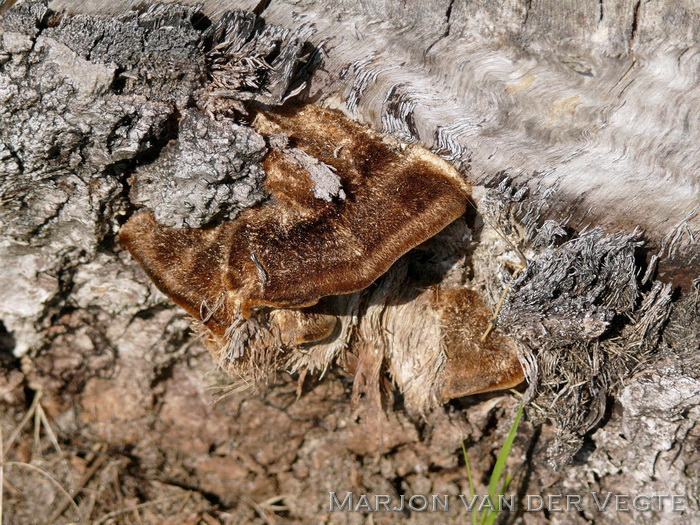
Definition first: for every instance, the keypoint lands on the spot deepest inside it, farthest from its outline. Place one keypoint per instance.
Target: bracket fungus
(345, 205)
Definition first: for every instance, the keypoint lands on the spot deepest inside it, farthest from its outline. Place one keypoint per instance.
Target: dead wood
(578, 129)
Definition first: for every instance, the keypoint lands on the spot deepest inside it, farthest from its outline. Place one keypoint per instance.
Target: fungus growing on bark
(344, 206)
(298, 248)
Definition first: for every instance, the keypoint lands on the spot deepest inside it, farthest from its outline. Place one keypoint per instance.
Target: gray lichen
(582, 315)
(326, 183)
(66, 140)
(211, 172)
(155, 53)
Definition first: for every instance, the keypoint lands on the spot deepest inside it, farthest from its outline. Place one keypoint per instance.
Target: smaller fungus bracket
(472, 365)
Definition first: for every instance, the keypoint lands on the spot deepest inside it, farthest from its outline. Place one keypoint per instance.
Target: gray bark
(564, 98)
(589, 112)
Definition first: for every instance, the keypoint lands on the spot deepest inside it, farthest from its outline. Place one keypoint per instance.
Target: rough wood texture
(593, 104)
(589, 109)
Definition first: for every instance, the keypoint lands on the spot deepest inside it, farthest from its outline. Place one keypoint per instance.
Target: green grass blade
(497, 473)
(471, 482)
(506, 483)
(490, 519)
(488, 515)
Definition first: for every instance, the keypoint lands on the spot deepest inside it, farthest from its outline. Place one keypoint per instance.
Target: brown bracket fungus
(345, 206)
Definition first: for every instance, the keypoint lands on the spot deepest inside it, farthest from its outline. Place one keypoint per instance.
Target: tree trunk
(577, 127)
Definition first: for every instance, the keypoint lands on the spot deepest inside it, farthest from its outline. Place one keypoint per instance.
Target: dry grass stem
(83, 481)
(111, 515)
(25, 420)
(48, 476)
(49, 431)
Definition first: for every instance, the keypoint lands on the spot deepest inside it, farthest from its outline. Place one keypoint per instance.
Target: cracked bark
(593, 118)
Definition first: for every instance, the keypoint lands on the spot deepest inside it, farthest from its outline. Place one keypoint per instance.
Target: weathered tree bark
(565, 118)
(574, 99)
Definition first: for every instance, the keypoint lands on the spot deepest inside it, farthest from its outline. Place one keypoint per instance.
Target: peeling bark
(579, 128)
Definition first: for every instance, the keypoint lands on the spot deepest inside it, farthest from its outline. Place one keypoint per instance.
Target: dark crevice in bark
(446, 31)
(7, 342)
(448, 18)
(528, 8)
(634, 27)
(259, 9)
